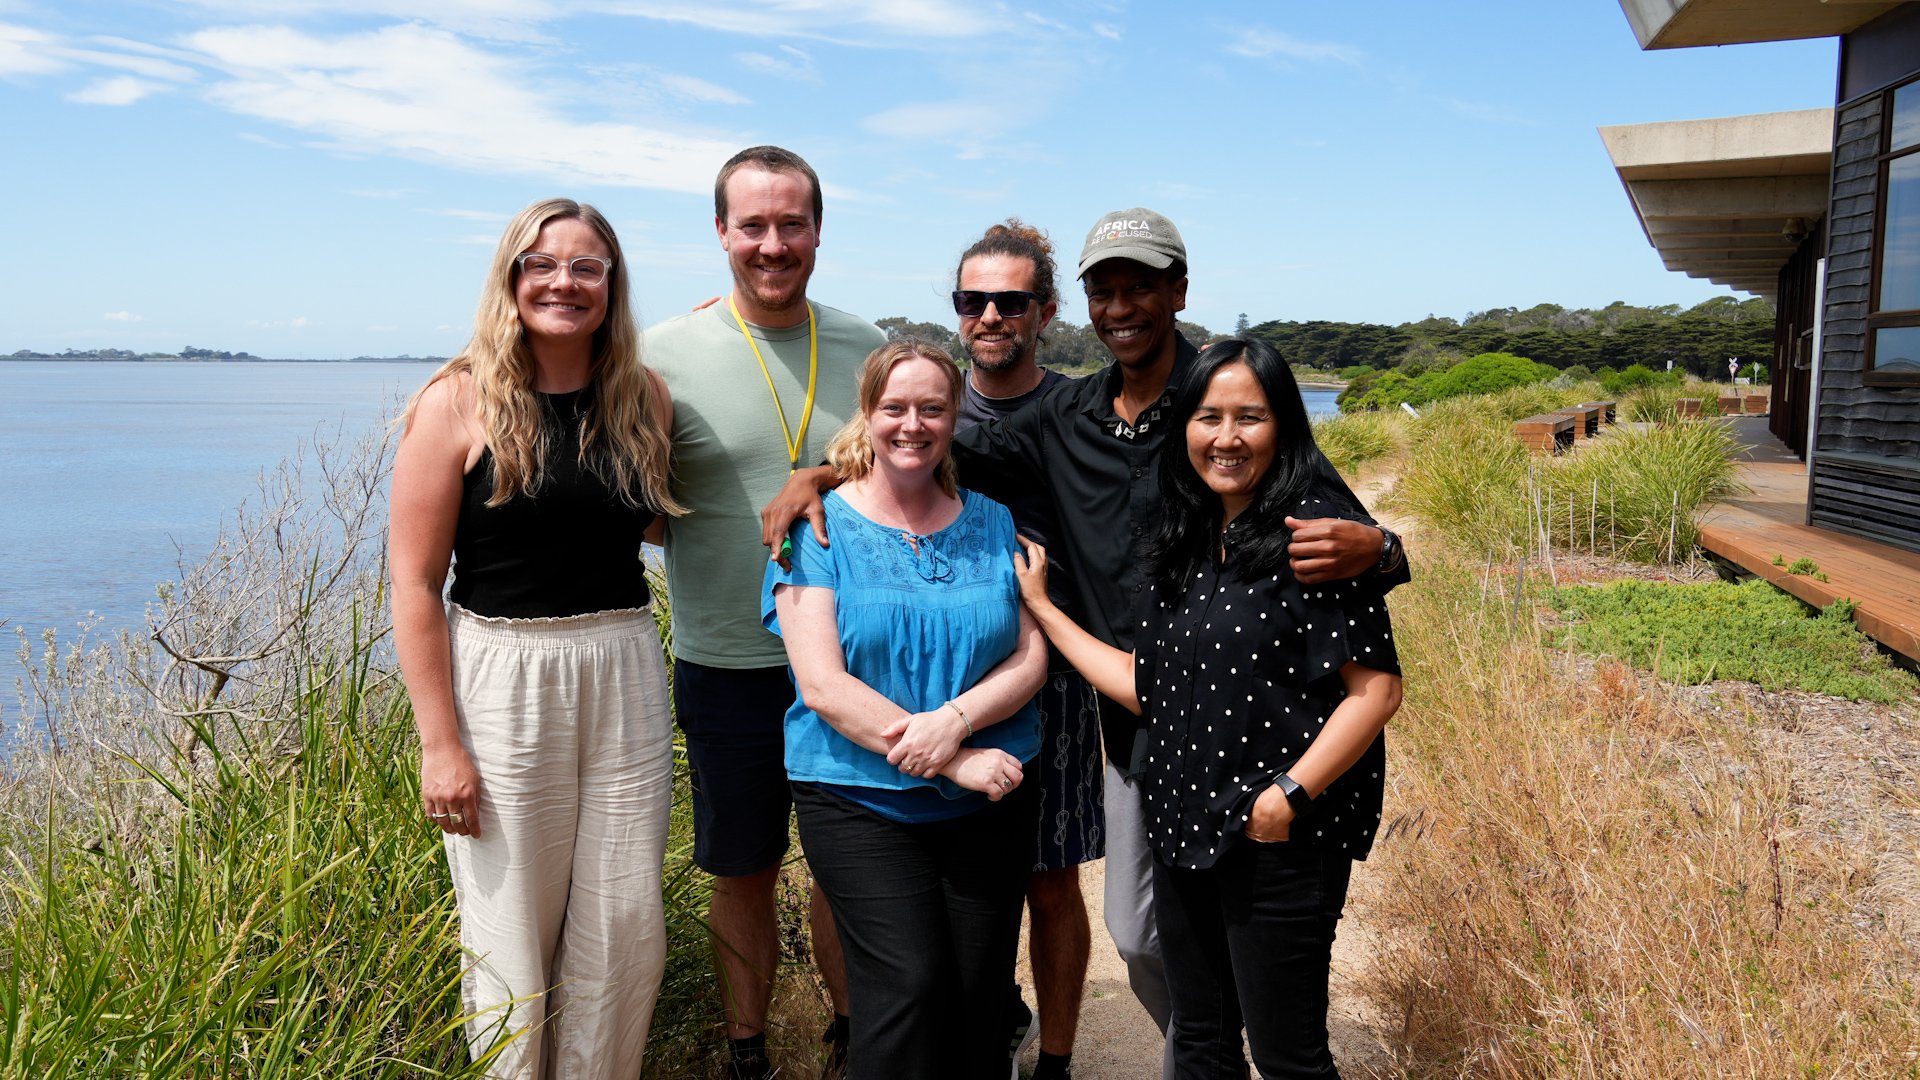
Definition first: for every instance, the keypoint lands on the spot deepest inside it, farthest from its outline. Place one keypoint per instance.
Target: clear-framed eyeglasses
(586, 271)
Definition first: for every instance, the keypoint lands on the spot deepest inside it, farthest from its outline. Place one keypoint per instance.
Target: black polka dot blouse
(1236, 679)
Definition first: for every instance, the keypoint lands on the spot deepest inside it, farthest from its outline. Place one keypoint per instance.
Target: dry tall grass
(1582, 878)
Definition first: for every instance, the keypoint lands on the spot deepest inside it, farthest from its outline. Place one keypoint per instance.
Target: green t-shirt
(730, 459)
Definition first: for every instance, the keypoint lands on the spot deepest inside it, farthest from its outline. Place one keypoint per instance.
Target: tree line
(1697, 340)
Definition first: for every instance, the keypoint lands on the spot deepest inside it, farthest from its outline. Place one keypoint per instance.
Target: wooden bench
(1547, 433)
(1729, 404)
(1687, 408)
(1606, 410)
(1586, 419)
(1757, 404)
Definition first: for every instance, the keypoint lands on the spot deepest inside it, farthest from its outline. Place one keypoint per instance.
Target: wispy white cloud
(119, 90)
(511, 20)
(153, 67)
(693, 89)
(797, 66)
(381, 193)
(850, 21)
(26, 52)
(1264, 44)
(423, 93)
(255, 137)
(1106, 30)
(123, 316)
(296, 323)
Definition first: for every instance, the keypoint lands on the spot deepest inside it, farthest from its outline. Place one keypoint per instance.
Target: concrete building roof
(1677, 24)
(1727, 199)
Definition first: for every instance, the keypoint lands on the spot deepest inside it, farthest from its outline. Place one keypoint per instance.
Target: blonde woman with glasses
(531, 466)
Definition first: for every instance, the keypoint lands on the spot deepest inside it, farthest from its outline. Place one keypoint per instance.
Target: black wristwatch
(1297, 796)
(1391, 551)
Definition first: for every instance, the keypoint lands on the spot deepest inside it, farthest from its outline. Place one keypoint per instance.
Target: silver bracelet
(955, 706)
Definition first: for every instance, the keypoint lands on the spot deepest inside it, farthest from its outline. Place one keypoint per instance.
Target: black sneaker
(835, 1038)
(747, 1059)
(1023, 1031)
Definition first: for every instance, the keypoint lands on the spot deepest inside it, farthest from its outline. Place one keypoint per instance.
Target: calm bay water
(111, 472)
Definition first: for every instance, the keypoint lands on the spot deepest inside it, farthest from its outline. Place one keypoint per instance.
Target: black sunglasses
(972, 303)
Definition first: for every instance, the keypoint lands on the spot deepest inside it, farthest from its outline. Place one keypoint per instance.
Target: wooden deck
(1750, 530)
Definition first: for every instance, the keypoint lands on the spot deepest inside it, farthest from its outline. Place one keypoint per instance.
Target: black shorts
(1073, 817)
(734, 721)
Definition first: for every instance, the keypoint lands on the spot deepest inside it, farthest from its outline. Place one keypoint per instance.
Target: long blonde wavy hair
(850, 451)
(620, 438)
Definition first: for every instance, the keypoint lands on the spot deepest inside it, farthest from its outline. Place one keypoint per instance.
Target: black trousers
(1248, 942)
(929, 920)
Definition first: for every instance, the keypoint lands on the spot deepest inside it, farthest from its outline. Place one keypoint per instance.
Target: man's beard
(1020, 350)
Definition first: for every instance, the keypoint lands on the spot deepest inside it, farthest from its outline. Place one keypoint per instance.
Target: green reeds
(275, 911)
(1635, 493)
(1465, 476)
(1350, 440)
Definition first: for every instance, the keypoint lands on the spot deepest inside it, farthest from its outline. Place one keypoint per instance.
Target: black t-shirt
(1236, 679)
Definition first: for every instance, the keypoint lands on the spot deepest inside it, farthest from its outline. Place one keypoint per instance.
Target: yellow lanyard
(794, 445)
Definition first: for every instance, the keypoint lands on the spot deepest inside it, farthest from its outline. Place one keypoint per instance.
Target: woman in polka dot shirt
(1263, 755)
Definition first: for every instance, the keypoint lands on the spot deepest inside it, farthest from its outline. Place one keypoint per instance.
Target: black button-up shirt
(1099, 471)
(1236, 679)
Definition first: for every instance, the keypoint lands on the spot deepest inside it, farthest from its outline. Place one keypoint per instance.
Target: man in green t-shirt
(760, 382)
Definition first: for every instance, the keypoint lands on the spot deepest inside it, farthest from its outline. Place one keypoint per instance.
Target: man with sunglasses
(1084, 452)
(1005, 297)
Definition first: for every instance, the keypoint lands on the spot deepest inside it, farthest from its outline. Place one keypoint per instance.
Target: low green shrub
(1696, 633)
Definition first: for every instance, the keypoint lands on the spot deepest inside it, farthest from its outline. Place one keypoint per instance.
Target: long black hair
(1191, 514)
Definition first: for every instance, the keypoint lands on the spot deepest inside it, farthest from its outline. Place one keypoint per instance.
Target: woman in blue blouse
(1265, 702)
(916, 669)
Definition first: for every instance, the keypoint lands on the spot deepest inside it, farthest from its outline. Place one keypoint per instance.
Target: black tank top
(569, 548)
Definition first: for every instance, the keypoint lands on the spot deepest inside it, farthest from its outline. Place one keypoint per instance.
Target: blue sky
(308, 178)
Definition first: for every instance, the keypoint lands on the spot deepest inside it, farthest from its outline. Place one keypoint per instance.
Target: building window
(1893, 326)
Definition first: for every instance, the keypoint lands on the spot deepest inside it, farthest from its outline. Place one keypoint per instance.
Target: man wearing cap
(1094, 445)
(1089, 447)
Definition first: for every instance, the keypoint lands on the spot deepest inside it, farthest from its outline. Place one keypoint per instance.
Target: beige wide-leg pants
(559, 896)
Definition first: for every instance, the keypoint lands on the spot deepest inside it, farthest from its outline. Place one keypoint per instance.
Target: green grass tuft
(1353, 439)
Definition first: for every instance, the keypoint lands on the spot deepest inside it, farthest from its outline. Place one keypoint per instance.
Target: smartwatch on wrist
(1297, 796)
(1391, 553)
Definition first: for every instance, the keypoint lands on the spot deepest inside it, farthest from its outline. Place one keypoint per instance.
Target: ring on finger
(438, 817)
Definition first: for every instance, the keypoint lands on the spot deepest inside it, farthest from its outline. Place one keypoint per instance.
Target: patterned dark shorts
(1073, 816)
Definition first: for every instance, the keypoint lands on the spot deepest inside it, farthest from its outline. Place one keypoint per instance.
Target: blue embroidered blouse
(919, 628)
